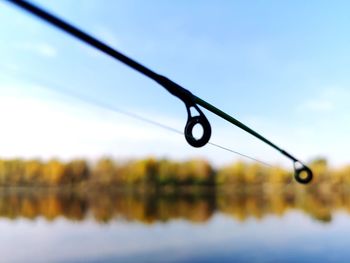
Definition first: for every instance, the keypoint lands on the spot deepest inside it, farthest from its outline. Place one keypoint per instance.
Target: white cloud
(318, 105)
(107, 35)
(46, 50)
(329, 99)
(38, 123)
(36, 127)
(41, 48)
(325, 119)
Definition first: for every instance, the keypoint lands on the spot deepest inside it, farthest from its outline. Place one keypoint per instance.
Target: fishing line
(86, 99)
(302, 173)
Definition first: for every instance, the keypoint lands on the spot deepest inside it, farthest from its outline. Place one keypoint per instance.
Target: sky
(282, 68)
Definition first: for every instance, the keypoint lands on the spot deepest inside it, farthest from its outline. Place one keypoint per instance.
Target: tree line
(106, 171)
(155, 173)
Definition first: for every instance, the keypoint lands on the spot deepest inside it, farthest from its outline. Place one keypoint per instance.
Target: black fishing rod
(302, 173)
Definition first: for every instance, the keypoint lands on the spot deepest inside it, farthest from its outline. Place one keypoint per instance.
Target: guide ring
(303, 174)
(193, 121)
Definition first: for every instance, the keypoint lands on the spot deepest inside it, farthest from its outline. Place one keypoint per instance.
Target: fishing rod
(302, 172)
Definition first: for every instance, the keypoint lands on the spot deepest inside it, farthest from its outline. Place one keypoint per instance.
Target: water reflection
(105, 206)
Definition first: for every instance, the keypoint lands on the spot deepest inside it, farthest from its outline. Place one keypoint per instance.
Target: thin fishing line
(58, 89)
(238, 153)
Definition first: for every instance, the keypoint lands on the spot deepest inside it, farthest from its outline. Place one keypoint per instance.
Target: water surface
(124, 227)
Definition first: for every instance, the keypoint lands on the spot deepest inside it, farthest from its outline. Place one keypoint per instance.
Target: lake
(111, 226)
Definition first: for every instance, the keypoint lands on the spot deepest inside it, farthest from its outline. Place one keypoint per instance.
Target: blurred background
(81, 181)
(281, 68)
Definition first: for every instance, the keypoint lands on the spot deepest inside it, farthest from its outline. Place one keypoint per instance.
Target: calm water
(245, 227)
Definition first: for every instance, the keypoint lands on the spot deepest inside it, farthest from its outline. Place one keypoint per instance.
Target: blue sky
(280, 67)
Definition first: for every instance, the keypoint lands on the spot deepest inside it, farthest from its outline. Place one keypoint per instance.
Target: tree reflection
(107, 206)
